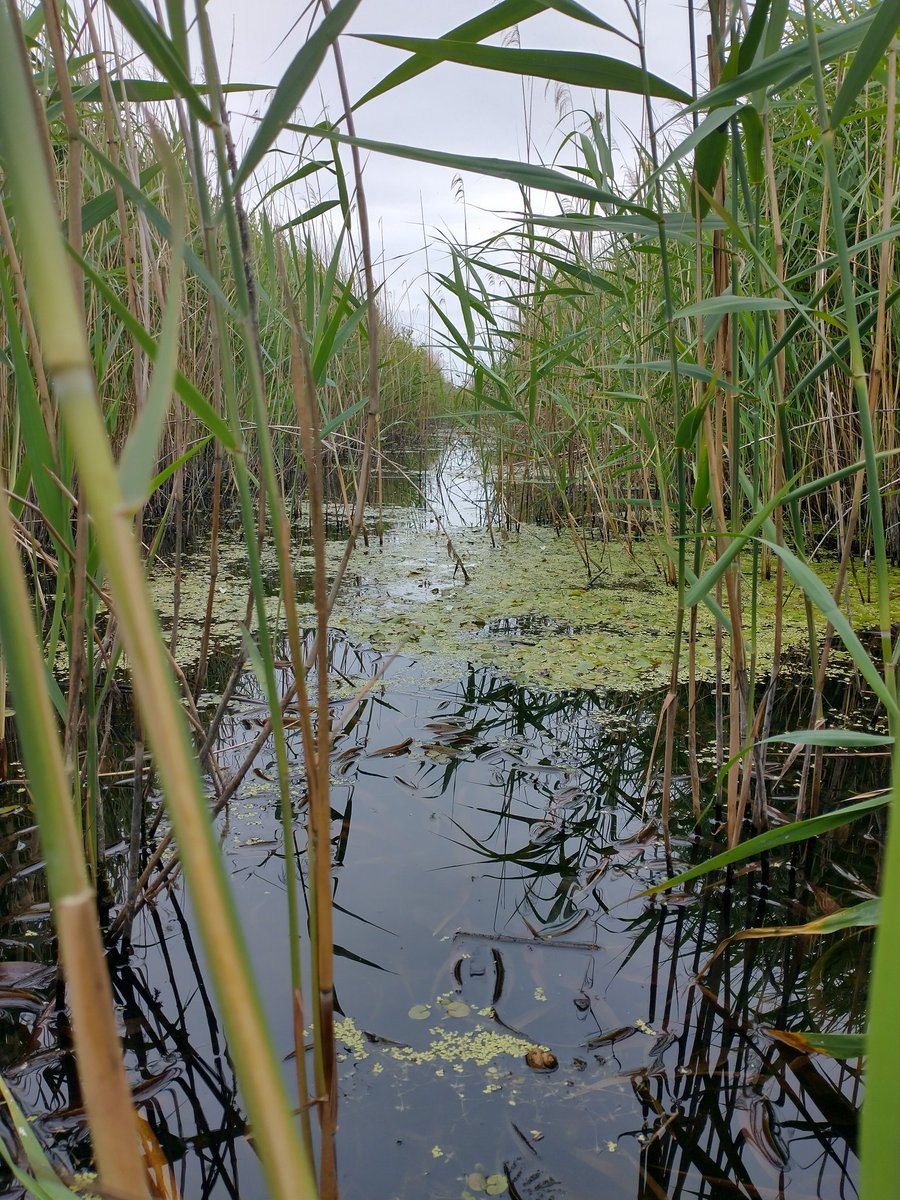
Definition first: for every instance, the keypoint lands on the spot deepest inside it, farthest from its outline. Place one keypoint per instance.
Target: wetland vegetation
(465, 768)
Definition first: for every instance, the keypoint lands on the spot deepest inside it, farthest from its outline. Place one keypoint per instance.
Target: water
(491, 842)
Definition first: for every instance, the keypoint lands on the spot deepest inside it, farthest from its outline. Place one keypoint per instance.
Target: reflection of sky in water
(456, 489)
(446, 489)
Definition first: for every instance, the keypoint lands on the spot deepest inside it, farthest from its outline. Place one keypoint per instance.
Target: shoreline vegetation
(680, 386)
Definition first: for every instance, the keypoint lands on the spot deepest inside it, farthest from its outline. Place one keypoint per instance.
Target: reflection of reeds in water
(716, 1122)
(549, 793)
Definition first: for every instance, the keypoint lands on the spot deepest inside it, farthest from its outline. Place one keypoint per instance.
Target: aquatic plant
(700, 361)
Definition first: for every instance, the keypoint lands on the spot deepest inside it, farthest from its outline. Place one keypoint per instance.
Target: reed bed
(702, 354)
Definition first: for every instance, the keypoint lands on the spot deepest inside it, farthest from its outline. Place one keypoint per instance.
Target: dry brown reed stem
(200, 677)
(372, 404)
(306, 404)
(319, 810)
(675, 575)
(780, 367)
(693, 765)
(722, 433)
(78, 658)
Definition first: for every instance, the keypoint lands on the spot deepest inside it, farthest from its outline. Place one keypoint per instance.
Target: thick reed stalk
(289, 1174)
(101, 1071)
(235, 230)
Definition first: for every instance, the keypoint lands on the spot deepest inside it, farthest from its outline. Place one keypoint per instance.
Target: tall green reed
(724, 284)
(754, 302)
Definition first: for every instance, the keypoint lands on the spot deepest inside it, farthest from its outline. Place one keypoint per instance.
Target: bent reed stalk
(701, 355)
(68, 364)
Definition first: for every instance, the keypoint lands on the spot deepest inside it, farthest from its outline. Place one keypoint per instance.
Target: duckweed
(528, 593)
(454, 1048)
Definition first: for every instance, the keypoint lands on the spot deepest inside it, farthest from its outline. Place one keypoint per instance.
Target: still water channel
(491, 841)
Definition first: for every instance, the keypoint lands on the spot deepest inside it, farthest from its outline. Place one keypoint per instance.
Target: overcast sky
(449, 108)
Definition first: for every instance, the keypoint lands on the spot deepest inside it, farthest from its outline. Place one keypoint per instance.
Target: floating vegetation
(476, 1046)
(490, 1185)
(529, 611)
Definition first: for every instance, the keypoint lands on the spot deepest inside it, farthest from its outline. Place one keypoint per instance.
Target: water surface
(491, 843)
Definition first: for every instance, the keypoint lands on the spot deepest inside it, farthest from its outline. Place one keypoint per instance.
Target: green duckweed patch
(529, 611)
(454, 1047)
(229, 610)
(528, 608)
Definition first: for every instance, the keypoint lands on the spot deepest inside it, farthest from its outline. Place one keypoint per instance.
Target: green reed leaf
(818, 593)
(709, 159)
(851, 738)
(139, 454)
(293, 86)
(152, 39)
(834, 1045)
(787, 66)
(502, 16)
(728, 303)
(883, 30)
(774, 839)
(562, 66)
(187, 392)
(529, 175)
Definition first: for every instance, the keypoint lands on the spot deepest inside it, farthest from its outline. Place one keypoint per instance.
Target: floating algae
(478, 1045)
(529, 611)
(527, 607)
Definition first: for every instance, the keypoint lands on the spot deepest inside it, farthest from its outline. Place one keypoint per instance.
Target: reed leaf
(786, 66)
(528, 175)
(495, 20)
(293, 86)
(834, 1045)
(562, 66)
(152, 39)
(139, 454)
(835, 738)
(883, 30)
(186, 391)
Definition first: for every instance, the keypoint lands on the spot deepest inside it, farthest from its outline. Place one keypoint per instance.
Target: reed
(700, 354)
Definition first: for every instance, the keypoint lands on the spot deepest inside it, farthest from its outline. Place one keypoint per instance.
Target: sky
(450, 107)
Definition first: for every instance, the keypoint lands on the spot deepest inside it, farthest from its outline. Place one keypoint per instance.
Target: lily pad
(420, 1012)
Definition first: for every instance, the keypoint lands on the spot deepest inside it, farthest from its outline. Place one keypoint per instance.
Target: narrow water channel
(491, 840)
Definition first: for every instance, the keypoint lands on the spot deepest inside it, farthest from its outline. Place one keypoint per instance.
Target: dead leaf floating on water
(541, 1060)
(391, 751)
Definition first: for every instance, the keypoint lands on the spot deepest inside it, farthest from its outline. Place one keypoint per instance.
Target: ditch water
(491, 841)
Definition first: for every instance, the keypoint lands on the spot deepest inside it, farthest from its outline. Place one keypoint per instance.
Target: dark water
(490, 869)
